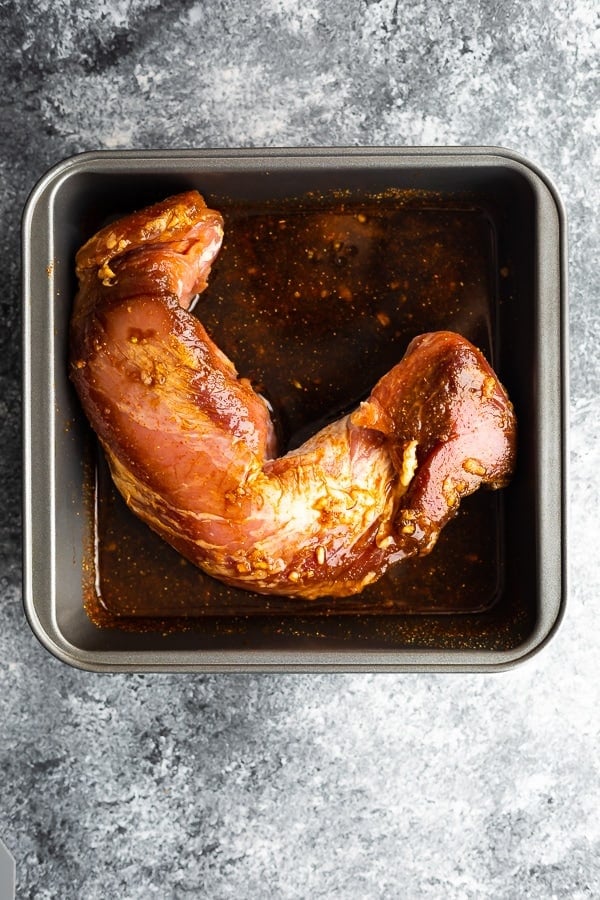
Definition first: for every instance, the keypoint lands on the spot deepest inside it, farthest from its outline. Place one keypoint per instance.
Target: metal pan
(486, 222)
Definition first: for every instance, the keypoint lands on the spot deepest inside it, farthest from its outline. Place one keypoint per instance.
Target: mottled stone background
(305, 786)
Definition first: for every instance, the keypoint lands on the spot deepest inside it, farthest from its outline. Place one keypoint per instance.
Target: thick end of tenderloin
(450, 428)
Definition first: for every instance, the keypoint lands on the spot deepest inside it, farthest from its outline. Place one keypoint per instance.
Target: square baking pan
(474, 241)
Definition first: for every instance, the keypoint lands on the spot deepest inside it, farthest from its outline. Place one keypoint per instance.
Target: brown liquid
(314, 303)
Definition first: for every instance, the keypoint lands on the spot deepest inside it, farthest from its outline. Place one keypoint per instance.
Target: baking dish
(100, 592)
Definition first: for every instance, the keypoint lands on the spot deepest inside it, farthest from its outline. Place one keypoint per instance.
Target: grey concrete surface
(353, 786)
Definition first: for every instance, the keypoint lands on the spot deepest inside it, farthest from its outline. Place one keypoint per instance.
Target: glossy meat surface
(192, 447)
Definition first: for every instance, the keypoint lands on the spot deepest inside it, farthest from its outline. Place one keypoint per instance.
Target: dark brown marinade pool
(314, 301)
